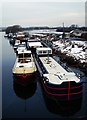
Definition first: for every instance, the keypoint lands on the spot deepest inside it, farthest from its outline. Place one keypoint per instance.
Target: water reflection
(24, 92)
(63, 108)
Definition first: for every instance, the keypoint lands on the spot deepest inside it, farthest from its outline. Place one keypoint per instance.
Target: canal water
(30, 101)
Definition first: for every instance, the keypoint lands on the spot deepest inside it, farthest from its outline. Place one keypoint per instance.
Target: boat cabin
(33, 45)
(44, 51)
(24, 56)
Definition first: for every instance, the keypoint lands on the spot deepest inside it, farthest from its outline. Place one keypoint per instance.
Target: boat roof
(26, 65)
(43, 48)
(24, 51)
(21, 45)
(56, 73)
(33, 40)
(34, 44)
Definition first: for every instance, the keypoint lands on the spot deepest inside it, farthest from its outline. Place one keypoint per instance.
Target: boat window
(27, 55)
(21, 66)
(24, 60)
(20, 55)
(49, 51)
(44, 51)
(20, 60)
(40, 52)
(28, 60)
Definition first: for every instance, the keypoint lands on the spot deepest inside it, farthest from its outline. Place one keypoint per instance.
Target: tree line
(16, 28)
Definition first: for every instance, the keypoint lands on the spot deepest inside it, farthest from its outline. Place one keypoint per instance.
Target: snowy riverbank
(73, 52)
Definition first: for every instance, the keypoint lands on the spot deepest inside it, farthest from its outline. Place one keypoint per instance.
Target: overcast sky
(43, 13)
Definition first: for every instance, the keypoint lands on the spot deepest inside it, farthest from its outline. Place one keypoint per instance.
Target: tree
(8, 30)
(74, 26)
(13, 29)
(84, 35)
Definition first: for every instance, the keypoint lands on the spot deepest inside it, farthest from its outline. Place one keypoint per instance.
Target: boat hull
(65, 91)
(25, 79)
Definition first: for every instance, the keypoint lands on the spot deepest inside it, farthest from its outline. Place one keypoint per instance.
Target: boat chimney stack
(63, 35)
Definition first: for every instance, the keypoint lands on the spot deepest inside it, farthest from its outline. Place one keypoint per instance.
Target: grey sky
(43, 13)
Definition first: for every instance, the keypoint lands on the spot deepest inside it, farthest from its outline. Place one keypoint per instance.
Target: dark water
(30, 101)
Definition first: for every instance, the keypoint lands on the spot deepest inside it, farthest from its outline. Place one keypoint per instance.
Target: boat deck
(56, 73)
(24, 66)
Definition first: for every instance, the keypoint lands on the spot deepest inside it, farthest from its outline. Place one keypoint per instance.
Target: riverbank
(72, 52)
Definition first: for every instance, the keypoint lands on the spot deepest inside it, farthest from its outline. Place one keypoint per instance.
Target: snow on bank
(75, 49)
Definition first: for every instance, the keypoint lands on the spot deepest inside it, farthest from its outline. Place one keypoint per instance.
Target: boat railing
(24, 60)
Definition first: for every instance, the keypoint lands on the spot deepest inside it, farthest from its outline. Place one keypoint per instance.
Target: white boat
(24, 69)
(17, 42)
(57, 82)
(21, 47)
(20, 35)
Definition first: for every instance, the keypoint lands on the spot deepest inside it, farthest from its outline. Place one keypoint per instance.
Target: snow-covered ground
(43, 31)
(76, 49)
